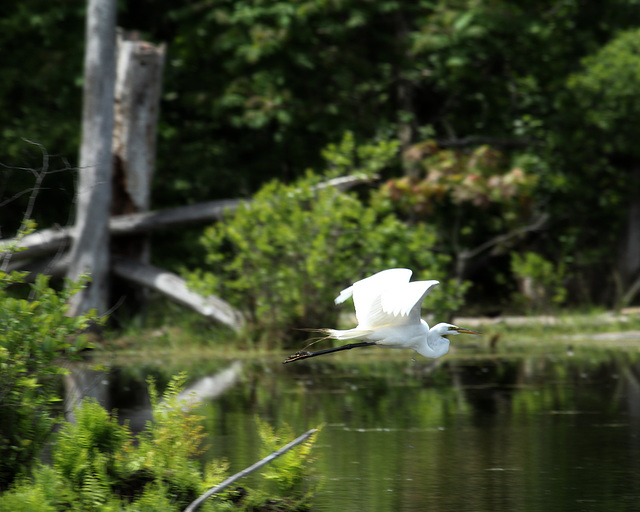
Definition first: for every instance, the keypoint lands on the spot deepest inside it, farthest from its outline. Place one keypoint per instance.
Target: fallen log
(153, 278)
(50, 240)
(46, 241)
(176, 289)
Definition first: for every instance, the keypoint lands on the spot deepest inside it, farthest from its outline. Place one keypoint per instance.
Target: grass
(176, 335)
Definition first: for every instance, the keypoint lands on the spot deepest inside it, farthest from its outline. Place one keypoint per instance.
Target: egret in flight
(388, 313)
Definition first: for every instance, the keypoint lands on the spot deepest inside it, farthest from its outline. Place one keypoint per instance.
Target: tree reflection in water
(556, 433)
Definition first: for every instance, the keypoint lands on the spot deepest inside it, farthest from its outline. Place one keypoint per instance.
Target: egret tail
(306, 355)
(347, 334)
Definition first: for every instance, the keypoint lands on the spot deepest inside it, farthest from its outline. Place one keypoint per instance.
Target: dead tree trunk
(629, 260)
(90, 251)
(137, 102)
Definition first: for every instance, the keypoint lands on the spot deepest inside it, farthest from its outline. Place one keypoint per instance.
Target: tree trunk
(629, 261)
(137, 102)
(90, 251)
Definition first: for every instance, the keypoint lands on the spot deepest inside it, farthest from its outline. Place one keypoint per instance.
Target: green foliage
(607, 90)
(469, 197)
(85, 453)
(254, 90)
(48, 493)
(98, 465)
(171, 442)
(541, 280)
(350, 158)
(35, 336)
(479, 179)
(283, 257)
(290, 474)
(99, 458)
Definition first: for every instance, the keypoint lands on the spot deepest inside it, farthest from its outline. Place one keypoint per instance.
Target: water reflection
(557, 433)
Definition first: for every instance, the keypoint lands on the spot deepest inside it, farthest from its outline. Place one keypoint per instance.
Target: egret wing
(367, 295)
(344, 295)
(380, 280)
(404, 302)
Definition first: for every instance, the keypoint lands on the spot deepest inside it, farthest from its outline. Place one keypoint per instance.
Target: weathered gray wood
(90, 251)
(176, 289)
(195, 505)
(172, 217)
(56, 266)
(137, 104)
(148, 277)
(629, 253)
(40, 243)
(50, 240)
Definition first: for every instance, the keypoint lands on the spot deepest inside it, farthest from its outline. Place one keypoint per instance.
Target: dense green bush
(541, 282)
(469, 197)
(35, 337)
(284, 256)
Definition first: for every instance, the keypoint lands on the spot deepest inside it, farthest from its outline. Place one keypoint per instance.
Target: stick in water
(195, 505)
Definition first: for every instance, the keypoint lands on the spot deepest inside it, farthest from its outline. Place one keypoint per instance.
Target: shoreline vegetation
(503, 335)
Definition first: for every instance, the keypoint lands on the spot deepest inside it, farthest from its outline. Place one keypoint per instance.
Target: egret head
(437, 343)
(450, 329)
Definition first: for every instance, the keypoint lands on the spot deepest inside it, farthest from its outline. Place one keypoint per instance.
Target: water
(476, 434)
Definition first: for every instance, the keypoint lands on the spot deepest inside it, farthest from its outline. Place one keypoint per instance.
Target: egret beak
(462, 330)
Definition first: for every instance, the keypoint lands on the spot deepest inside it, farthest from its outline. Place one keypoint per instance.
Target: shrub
(284, 256)
(98, 465)
(541, 282)
(290, 476)
(35, 335)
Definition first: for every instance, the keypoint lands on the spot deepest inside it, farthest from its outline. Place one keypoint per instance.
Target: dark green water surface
(479, 434)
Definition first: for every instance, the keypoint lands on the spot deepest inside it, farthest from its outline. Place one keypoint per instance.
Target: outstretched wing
(368, 292)
(387, 298)
(404, 302)
(379, 281)
(393, 306)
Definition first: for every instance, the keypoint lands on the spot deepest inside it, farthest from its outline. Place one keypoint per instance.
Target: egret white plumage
(388, 312)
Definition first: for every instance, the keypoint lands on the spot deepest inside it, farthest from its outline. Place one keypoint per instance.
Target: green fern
(292, 473)
(99, 466)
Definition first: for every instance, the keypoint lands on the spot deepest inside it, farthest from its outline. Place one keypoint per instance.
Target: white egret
(388, 312)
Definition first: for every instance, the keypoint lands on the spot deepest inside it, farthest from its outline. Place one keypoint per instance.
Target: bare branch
(491, 141)
(535, 226)
(195, 505)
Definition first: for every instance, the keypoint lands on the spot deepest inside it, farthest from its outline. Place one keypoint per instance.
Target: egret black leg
(303, 354)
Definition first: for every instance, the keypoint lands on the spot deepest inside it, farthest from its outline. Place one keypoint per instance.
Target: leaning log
(149, 277)
(176, 289)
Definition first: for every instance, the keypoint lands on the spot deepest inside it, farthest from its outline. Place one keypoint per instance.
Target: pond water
(476, 433)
